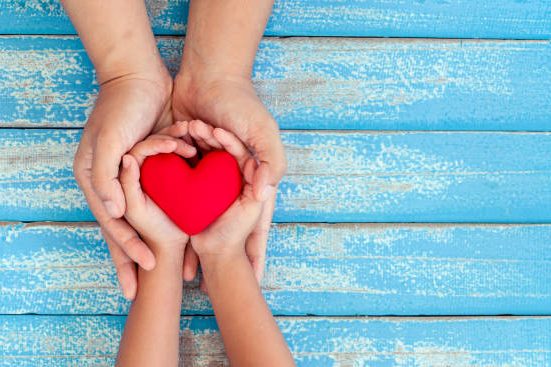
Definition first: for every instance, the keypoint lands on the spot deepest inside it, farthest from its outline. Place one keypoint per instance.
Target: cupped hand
(228, 233)
(152, 224)
(231, 103)
(126, 111)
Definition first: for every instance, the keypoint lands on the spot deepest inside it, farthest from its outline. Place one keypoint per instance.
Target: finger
(232, 145)
(130, 181)
(126, 268)
(196, 131)
(106, 159)
(177, 130)
(185, 149)
(182, 147)
(258, 239)
(193, 160)
(262, 183)
(118, 229)
(205, 132)
(248, 171)
(129, 241)
(152, 146)
(191, 263)
(265, 141)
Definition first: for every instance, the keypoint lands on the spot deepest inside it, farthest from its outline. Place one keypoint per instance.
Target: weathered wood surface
(343, 269)
(317, 83)
(332, 177)
(41, 341)
(380, 18)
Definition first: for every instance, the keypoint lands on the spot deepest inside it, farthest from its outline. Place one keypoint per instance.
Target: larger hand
(126, 111)
(232, 104)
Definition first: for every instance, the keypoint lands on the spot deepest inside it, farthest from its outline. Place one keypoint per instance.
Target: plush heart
(192, 197)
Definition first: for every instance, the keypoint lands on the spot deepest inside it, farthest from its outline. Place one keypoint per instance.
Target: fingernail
(111, 208)
(267, 192)
(149, 263)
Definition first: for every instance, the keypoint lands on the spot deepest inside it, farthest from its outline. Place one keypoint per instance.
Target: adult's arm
(134, 98)
(214, 84)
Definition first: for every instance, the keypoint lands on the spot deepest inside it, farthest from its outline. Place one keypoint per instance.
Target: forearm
(151, 334)
(223, 36)
(117, 36)
(250, 333)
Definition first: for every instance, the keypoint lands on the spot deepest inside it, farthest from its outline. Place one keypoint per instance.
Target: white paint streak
(349, 180)
(32, 79)
(357, 79)
(43, 197)
(26, 160)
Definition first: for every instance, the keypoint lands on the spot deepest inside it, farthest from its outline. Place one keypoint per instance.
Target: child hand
(227, 235)
(155, 228)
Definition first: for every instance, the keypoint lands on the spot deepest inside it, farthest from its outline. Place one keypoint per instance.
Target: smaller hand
(226, 237)
(230, 102)
(154, 227)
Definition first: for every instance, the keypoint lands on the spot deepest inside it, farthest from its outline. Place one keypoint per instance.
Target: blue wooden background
(413, 227)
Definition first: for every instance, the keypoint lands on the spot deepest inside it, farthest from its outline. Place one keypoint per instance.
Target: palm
(232, 104)
(142, 111)
(126, 111)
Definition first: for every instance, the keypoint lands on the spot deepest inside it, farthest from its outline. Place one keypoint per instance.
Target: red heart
(192, 197)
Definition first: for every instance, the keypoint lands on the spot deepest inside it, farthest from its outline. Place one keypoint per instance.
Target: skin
(150, 337)
(137, 97)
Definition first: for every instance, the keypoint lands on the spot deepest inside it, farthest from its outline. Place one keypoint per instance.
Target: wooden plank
(332, 177)
(318, 83)
(379, 18)
(312, 269)
(425, 342)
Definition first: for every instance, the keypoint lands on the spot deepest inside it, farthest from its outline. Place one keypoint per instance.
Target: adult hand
(126, 111)
(134, 99)
(231, 103)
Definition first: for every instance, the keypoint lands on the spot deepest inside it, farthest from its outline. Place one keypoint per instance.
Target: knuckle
(131, 244)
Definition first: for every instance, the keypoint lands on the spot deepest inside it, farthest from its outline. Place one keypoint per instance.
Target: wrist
(203, 68)
(150, 88)
(191, 86)
(198, 71)
(213, 261)
(121, 65)
(168, 253)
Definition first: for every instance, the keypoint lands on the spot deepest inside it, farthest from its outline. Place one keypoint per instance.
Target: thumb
(270, 153)
(105, 174)
(250, 209)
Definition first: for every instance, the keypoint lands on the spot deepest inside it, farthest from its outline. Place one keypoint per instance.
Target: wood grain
(317, 83)
(379, 18)
(45, 341)
(312, 269)
(332, 177)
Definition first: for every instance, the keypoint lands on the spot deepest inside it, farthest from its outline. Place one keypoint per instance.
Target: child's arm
(251, 336)
(151, 333)
(250, 333)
